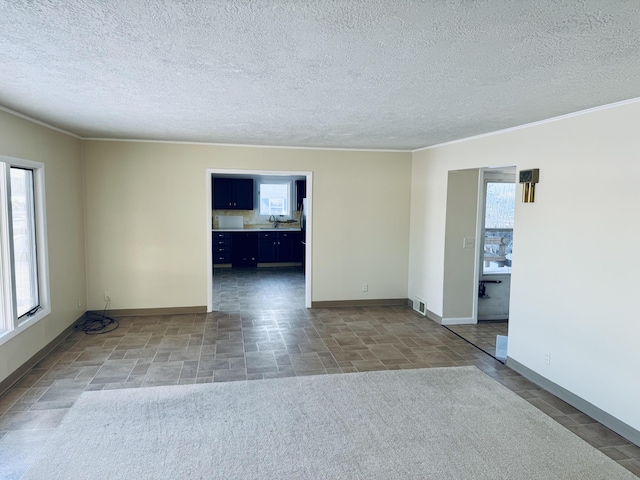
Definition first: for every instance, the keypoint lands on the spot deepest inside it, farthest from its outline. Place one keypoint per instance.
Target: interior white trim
(39, 122)
(42, 252)
(458, 321)
(452, 142)
(179, 142)
(533, 124)
(308, 232)
(477, 264)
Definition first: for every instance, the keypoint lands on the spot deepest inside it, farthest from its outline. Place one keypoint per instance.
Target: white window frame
(276, 181)
(10, 324)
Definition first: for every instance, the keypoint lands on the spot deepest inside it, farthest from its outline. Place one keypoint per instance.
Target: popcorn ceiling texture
(321, 73)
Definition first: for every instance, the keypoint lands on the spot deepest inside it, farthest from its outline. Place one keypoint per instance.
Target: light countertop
(265, 229)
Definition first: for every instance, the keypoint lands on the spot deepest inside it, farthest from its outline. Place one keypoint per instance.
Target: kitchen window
(275, 198)
(23, 273)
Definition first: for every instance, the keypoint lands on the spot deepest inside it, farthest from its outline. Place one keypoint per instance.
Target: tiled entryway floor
(251, 288)
(252, 344)
(483, 334)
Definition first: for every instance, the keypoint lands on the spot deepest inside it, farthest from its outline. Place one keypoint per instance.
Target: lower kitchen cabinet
(279, 247)
(267, 247)
(221, 247)
(245, 249)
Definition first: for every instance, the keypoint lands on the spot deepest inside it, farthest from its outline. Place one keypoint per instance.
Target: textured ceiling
(389, 74)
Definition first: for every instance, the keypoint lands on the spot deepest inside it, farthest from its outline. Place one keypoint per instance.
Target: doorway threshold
(471, 335)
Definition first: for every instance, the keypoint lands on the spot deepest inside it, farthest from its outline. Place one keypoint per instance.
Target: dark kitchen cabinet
(232, 193)
(267, 247)
(298, 247)
(301, 193)
(245, 249)
(285, 246)
(279, 247)
(221, 247)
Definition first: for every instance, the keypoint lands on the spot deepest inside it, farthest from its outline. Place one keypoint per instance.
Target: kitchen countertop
(266, 229)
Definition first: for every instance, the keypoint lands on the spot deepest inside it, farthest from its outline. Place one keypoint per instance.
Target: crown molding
(289, 147)
(533, 124)
(39, 122)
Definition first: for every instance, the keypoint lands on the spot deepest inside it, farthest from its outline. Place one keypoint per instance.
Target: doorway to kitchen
(259, 240)
(487, 328)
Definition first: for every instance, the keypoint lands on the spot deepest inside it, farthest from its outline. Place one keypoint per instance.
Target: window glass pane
(274, 199)
(24, 240)
(501, 198)
(498, 233)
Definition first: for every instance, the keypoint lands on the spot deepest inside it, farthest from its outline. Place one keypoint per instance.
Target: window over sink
(275, 198)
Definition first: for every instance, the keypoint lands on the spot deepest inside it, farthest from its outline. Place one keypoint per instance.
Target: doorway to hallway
(480, 219)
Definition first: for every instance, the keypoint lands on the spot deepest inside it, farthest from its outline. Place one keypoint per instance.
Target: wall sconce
(529, 178)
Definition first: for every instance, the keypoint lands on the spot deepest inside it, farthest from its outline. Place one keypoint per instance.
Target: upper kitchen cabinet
(301, 193)
(232, 193)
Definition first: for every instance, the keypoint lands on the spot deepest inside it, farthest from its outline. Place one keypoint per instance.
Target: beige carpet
(448, 423)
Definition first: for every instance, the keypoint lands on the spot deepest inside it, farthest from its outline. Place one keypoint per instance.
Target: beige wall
(147, 214)
(574, 283)
(61, 155)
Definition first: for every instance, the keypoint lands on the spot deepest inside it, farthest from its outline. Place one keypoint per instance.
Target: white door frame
(308, 231)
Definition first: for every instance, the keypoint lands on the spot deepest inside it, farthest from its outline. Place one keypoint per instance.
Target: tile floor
(483, 334)
(236, 289)
(253, 340)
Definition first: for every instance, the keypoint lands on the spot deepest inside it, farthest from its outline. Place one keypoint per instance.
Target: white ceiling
(383, 74)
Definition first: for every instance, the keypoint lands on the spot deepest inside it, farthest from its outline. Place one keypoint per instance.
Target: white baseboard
(458, 321)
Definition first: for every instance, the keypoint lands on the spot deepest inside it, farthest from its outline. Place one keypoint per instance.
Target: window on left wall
(24, 292)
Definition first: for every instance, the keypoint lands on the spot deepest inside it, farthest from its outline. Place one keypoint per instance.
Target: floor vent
(420, 306)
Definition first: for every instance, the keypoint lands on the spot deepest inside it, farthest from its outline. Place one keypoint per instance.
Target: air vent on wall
(420, 306)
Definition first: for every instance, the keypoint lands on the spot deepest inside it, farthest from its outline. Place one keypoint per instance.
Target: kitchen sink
(280, 229)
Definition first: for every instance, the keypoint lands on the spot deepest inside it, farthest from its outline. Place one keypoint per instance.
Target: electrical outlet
(79, 304)
(107, 297)
(547, 358)
(365, 287)
(468, 242)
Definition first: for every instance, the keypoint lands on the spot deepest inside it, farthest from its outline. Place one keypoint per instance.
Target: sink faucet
(275, 222)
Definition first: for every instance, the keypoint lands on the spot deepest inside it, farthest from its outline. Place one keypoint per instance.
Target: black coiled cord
(96, 324)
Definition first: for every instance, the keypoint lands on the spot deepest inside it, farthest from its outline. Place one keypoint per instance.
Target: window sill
(6, 335)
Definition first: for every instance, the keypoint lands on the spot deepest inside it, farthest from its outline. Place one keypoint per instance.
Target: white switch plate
(469, 242)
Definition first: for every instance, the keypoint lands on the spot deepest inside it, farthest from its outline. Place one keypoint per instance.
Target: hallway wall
(574, 283)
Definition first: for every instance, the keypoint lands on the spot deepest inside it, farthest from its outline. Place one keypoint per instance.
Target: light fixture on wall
(529, 178)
